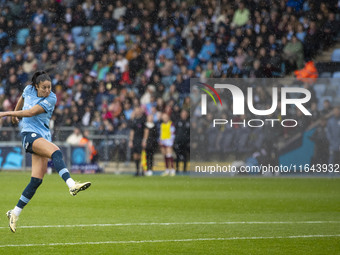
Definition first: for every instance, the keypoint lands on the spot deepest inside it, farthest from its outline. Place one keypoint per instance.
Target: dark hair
(40, 76)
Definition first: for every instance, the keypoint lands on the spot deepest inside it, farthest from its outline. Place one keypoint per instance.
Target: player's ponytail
(40, 76)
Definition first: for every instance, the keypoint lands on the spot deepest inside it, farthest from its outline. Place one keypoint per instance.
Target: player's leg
(137, 150)
(163, 150)
(136, 158)
(169, 152)
(149, 161)
(185, 159)
(39, 167)
(47, 149)
(177, 152)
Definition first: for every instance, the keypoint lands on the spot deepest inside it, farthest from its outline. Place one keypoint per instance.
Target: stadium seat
(328, 67)
(331, 90)
(335, 83)
(336, 101)
(79, 40)
(95, 30)
(120, 39)
(22, 34)
(319, 90)
(336, 75)
(336, 55)
(325, 75)
(76, 31)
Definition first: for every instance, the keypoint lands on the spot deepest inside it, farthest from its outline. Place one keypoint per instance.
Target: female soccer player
(167, 137)
(35, 107)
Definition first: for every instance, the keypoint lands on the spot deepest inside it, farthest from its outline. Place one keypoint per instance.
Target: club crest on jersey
(34, 135)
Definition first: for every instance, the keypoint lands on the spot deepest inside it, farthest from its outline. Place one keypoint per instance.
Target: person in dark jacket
(151, 142)
(137, 137)
(182, 140)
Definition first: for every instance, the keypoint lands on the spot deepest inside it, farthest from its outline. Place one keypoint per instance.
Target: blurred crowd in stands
(107, 57)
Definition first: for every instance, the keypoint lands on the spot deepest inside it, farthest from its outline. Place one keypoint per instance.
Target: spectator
(241, 15)
(75, 137)
(327, 107)
(167, 137)
(207, 50)
(30, 64)
(293, 53)
(333, 135)
(119, 11)
(240, 58)
(93, 154)
(121, 63)
(146, 98)
(165, 51)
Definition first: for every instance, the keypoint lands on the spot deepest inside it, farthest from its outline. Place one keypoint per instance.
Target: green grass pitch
(210, 216)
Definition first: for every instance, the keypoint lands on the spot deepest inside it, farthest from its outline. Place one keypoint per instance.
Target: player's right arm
(18, 107)
(35, 110)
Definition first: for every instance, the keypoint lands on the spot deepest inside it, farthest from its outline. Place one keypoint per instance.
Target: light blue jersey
(39, 123)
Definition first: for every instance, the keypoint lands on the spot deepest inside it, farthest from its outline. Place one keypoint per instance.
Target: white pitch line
(180, 223)
(174, 240)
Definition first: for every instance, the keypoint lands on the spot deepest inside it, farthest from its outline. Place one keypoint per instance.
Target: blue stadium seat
(95, 30)
(331, 90)
(335, 82)
(319, 90)
(79, 40)
(325, 75)
(76, 31)
(22, 34)
(336, 75)
(336, 55)
(120, 39)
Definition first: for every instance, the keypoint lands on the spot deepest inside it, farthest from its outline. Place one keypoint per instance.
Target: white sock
(70, 182)
(17, 211)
